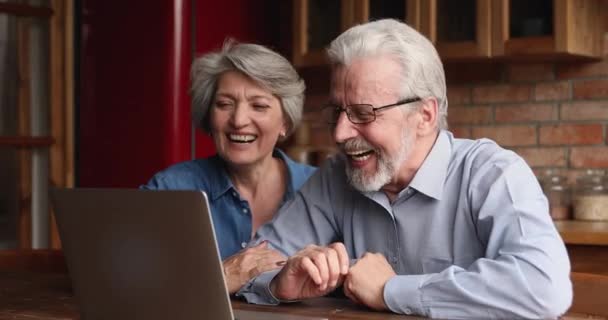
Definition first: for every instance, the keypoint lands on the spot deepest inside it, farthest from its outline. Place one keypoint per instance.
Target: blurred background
(94, 93)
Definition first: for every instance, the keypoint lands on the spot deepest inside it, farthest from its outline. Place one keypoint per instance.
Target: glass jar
(591, 196)
(555, 186)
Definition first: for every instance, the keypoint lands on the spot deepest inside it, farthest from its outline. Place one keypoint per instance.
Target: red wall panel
(134, 108)
(134, 114)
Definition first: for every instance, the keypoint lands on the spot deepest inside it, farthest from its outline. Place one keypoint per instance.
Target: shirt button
(245, 210)
(243, 244)
(234, 193)
(409, 191)
(407, 311)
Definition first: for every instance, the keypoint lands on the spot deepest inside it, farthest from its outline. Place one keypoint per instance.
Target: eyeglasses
(358, 113)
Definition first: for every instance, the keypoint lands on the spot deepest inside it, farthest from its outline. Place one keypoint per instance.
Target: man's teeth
(360, 155)
(241, 137)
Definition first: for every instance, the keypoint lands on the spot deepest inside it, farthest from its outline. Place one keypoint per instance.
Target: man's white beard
(386, 168)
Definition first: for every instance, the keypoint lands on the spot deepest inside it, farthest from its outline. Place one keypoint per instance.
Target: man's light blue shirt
(231, 213)
(470, 237)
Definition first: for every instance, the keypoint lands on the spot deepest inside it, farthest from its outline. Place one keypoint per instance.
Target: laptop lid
(141, 254)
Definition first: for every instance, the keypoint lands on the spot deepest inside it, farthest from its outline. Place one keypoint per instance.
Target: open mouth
(360, 155)
(242, 138)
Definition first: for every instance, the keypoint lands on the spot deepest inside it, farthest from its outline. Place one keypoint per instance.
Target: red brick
(589, 157)
(461, 131)
(502, 93)
(508, 135)
(469, 115)
(543, 157)
(585, 110)
(571, 134)
(459, 73)
(458, 95)
(591, 89)
(525, 112)
(552, 91)
(579, 70)
(530, 72)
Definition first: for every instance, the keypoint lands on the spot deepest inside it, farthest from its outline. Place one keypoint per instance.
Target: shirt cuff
(257, 290)
(402, 294)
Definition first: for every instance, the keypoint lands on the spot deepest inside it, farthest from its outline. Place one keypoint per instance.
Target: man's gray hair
(266, 67)
(422, 75)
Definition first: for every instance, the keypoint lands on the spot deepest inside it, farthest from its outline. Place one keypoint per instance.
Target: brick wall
(555, 115)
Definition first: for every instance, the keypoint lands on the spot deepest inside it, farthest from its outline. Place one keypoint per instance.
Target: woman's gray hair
(266, 67)
(422, 75)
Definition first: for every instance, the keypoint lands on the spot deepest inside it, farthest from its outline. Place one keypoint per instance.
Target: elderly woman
(247, 98)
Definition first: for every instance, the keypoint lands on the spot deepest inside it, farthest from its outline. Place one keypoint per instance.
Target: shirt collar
(431, 176)
(220, 183)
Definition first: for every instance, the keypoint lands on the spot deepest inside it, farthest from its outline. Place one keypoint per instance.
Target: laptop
(142, 254)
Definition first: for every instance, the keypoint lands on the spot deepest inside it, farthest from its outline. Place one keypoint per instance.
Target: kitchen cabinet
(462, 30)
(547, 29)
(458, 29)
(587, 244)
(317, 22)
(404, 10)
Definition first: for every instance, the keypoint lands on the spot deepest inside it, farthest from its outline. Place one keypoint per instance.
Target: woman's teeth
(241, 138)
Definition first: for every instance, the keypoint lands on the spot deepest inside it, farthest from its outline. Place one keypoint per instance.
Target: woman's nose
(240, 116)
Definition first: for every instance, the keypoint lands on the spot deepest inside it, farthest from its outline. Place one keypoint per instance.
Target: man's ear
(429, 112)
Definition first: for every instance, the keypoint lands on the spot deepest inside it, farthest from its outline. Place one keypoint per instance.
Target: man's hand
(312, 272)
(249, 263)
(365, 281)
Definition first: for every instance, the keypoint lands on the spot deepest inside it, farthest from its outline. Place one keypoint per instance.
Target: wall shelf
(26, 142)
(583, 232)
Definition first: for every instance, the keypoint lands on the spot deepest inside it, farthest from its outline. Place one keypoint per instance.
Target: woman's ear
(283, 132)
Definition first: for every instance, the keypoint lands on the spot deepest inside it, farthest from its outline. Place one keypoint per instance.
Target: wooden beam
(24, 219)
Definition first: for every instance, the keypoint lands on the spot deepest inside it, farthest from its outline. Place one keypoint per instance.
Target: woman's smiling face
(246, 120)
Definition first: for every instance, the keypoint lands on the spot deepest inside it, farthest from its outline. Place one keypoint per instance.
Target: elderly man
(408, 218)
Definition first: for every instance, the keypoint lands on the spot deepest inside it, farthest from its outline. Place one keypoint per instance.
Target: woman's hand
(248, 263)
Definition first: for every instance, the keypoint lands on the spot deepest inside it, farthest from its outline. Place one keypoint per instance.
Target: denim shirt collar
(220, 183)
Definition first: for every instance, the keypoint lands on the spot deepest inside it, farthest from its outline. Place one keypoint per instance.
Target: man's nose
(343, 129)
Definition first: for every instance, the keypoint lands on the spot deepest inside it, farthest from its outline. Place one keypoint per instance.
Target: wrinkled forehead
(364, 80)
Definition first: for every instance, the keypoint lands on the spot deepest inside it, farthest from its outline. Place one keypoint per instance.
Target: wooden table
(36, 296)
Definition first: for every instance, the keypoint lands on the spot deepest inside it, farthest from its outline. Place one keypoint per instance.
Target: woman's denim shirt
(231, 213)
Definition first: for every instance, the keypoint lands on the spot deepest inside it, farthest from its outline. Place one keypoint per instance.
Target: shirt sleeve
(155, 183)
(525, 270)
(306, 219)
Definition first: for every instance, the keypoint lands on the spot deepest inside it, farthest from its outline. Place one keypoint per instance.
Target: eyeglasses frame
(374, 109)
